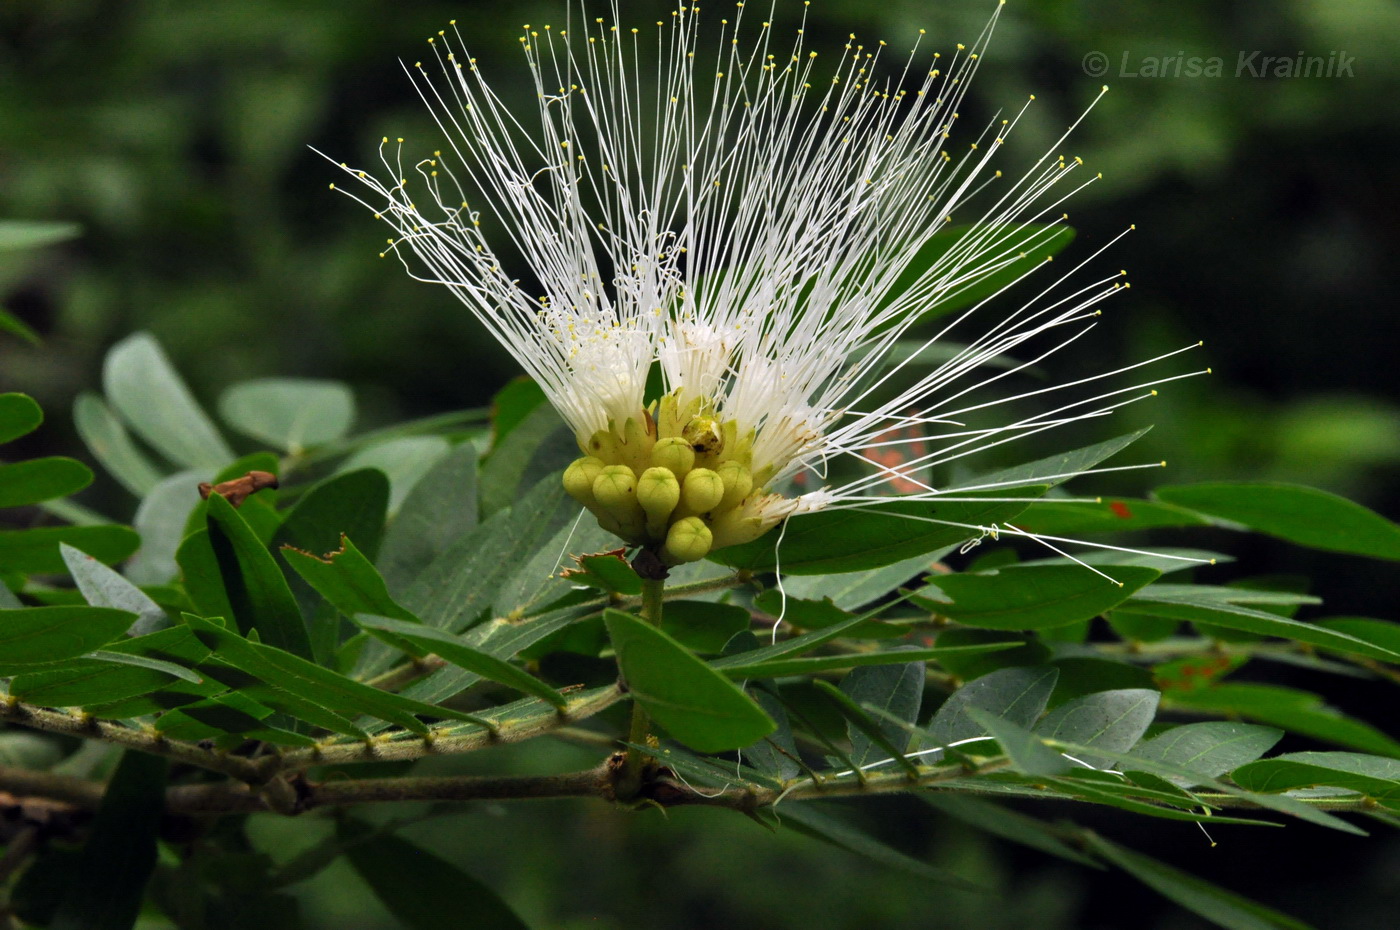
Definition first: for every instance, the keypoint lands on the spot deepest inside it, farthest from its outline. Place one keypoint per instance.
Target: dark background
(176, 134)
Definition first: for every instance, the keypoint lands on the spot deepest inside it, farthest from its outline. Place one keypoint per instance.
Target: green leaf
(537, 580)
(1374, 776)
(696, 704)
(512, 404)
(1211, 748)
(1018, 695)
(1381, 634)
(36, 550)
(404, 461)
(1052, 470)
(1223, 614)
(160, 520)
(25, 750)
(106, 438)
(1220, 594)
(872, 537)
(411, 882)
(806, 819)
(1115, 515)
(1028, 753)
(1036, 597)
(1081, 675)
(1113, 720)
(108, 883)
(452, 649)
(34, 635)
(9, 323)
(537, 446)
(350, 503)
(35, 234)
(898, 691)
(103, 587)
(850, 590)
(944, 256)
(1196, 895)
(1296, 711)
(460, 584)
(309, 681)
(702, 626)
(1299, 514)
(347, 580)
(19, 415)
(253, 583)
(1005, 823)
(807, 665)
(42, 479)
(606, 571)
(440, 509)
(152, 397)
(292, 414)
(501, 639)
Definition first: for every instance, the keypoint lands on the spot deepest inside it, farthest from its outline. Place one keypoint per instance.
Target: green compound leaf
(1224, 614)
(1036, 597)
(256, 589)
(1295, 711)
(1028, 753)
(351, 503)
(37, 550)
(1299, 514)
(1051, 470)
(86, 682)
(313, 683)
(404, 461)
(441, 507)
(697, 705)
(35, 234)
(1114, 515)
(807, 665)
(19, 416)
(1113, 720)
(875, 536)
(152, 397)
(1017, 695)
(412, 882)
(1005, 823)
(43, 479)
(292, 414)
(1374, 776)
(895, 691)
(106, 437)
(1210, 749)
(451, 648)
(1196, 895)
(703, 626)
(108, 881)
(347, 580)
(37, 635)
(103, 587)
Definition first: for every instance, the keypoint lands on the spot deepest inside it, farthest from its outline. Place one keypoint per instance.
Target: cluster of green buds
(676, 481)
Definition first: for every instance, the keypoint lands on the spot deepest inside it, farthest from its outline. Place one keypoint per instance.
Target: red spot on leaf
(1120, 510)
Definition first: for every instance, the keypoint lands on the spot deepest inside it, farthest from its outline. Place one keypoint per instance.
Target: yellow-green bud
(737, 526)
(615, 491)
(704, 434)
(737, 484)
(702, 491)
(674, 454)
(579, 478)
(687, 541)
(658, 491)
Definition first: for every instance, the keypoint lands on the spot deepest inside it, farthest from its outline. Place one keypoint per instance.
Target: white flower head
(715, 201)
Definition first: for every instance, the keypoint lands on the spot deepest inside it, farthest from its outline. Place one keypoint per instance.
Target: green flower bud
(688, 540)
(579, 478)
(658, 491)
(702, 491)
(737, 484)
(674, 454)
(615, 491)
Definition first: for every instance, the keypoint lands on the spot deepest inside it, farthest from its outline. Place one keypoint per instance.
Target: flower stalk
(634, 763)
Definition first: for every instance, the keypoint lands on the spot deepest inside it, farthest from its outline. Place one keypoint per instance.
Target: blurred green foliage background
(176, 133)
